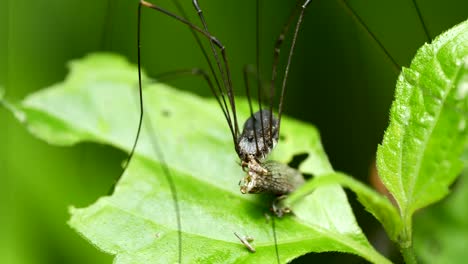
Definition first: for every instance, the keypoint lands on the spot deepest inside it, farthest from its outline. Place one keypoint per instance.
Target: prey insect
(246, 241)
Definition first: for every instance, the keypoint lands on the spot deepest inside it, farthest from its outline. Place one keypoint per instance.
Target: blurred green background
(341, 81)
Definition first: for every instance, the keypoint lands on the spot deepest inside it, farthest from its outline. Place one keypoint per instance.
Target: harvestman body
(264, 176)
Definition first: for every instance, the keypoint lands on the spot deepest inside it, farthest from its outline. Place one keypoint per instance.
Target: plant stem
(406, 241)
(408, 255)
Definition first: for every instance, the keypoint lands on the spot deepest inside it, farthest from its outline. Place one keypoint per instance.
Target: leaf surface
(375, 203)
(98, 102)
(421, 151)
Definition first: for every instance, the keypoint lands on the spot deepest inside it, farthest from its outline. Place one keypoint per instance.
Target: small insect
(246, 241)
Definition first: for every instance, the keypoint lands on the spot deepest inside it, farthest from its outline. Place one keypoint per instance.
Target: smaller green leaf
(375, 203)
(420, 155)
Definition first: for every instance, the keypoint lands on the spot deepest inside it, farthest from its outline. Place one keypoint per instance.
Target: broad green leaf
(374, 202)
(421, 151)
(98, 102)
(440, 233)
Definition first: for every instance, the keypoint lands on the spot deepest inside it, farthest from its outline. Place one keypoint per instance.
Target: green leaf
(98, 102)
(421, 151)
(374, 202)
(440, 233)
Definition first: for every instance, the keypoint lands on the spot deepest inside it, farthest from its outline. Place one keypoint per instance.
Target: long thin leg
(246, 71)
(226, 73)
(273, 227)
(140, 94)
(426, 31)
(214, 41)
(286, 28)
(277, 50)
(291, 52)
(396, 66)
(196, 72)
(170, 179)
(257, 62)
(380, 44)
(210, 65)
(155, 145)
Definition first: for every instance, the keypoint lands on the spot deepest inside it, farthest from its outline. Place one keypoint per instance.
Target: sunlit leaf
(421, 152)
(98, 102)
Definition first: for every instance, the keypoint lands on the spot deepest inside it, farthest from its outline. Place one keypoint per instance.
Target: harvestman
(261, 130)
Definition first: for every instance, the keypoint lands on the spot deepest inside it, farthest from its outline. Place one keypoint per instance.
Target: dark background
(341, 81)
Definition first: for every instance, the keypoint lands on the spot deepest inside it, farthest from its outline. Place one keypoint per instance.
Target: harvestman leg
(224, 107)
(151, 131)
(154, 143)
(246, 71)
(291, 52)
(395, 64)
(277, 51)
(226, 75)
(215, 42)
